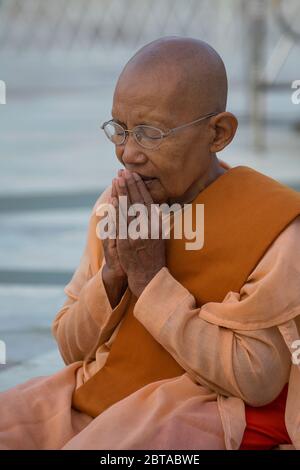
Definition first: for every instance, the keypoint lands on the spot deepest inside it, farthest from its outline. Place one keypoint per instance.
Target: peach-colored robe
(228, 361)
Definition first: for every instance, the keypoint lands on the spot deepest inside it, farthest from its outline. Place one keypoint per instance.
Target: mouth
(148, 179)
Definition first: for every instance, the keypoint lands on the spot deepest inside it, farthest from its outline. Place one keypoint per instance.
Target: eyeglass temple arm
(190, 123)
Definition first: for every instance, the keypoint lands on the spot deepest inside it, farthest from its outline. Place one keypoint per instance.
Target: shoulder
(290, 236)
(283, 255)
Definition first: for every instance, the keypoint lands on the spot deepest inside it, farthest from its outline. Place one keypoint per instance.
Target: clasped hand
(136, 260)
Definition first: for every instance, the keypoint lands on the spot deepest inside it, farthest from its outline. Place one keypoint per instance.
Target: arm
(253, 365)
(95, 303)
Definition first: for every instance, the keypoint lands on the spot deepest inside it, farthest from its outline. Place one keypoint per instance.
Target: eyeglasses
(146, 136)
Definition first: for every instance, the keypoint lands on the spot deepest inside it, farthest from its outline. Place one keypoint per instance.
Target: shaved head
(190, 69)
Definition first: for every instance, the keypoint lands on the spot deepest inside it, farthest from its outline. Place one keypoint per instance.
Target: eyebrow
(145, 123)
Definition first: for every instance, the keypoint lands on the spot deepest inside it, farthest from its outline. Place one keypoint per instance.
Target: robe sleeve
(252, 364)
(86, 319)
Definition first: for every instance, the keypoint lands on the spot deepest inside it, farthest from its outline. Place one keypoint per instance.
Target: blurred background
(60, 61)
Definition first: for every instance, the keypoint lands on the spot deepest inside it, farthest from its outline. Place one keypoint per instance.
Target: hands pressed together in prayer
(131, 261)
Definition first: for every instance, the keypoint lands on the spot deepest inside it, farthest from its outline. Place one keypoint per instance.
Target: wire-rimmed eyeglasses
(147, 136)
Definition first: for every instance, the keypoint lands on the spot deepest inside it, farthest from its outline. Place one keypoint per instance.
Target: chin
(158, 195)
(157, 192)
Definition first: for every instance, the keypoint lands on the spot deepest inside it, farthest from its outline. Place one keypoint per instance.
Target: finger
(143, 190)
(116, 212)
(135, 196)
(120, 186)
(133, 190)
(121, 189)
(155, 222)
(114, 192)
(115, 203)
(122, 209)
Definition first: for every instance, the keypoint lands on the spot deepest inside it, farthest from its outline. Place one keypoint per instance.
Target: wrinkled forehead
(158, 93)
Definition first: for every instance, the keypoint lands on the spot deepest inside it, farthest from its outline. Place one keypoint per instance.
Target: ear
(224, 126)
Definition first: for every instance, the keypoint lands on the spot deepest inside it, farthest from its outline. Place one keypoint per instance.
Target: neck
(214, 171)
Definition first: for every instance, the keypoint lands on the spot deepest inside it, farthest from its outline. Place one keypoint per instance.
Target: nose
(131, 153)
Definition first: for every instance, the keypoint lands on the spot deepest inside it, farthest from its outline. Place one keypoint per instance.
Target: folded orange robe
(254, 210)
